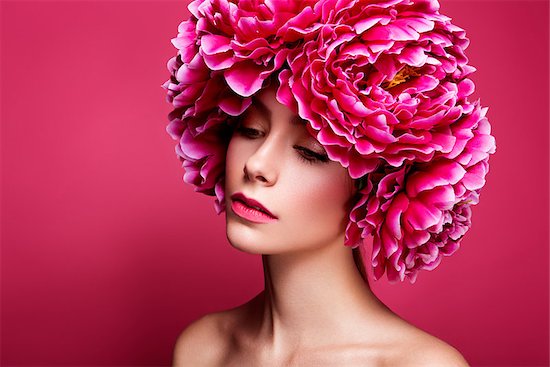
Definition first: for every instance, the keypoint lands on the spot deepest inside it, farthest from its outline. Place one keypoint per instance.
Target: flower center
(402, 76)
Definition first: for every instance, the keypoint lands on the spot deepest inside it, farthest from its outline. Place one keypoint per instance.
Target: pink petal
(421, 216)
(244, 78)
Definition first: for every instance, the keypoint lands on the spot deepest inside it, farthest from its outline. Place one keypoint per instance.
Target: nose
(262, 165)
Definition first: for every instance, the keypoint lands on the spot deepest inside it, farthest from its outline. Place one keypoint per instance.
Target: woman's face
(273, 160)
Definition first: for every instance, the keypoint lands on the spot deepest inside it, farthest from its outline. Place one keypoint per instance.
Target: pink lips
(250, 209)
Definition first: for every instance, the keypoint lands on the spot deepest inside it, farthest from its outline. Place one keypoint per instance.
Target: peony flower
(382, 85)
(382, 81)
(419, 212)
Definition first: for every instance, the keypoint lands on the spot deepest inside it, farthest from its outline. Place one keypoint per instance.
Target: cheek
(230, 157)
(322, 198)
(234, 161)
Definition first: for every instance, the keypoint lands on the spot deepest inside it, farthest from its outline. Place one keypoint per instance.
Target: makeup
(250, 209)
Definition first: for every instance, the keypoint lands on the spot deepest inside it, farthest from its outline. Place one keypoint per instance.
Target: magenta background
(107, 255)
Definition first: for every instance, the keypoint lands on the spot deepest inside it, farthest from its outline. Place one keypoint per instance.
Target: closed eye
(305, 154)
(311, 156)
(248, 132)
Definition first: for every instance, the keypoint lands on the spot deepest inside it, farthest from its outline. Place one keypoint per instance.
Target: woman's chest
(331, 356)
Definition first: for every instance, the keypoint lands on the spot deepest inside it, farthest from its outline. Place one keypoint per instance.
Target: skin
(315, 309)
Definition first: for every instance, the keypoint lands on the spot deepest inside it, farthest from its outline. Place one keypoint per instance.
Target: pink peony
(381, 81)
(383, 85)
(419, 212)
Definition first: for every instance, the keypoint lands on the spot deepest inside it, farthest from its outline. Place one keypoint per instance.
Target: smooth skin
(315, 309)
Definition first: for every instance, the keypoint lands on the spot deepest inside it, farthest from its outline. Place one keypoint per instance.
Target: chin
(247, 249)
(244, 239)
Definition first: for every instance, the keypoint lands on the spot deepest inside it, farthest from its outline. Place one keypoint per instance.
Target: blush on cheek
(234, 163)
(340, 188)
(230, 157)
(331, 200)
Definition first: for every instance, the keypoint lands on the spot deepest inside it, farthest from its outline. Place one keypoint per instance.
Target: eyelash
(306, 155)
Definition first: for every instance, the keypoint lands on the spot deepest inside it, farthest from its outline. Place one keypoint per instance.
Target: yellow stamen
(402, 76)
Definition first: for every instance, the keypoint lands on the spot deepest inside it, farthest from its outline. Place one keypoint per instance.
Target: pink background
(107, 255)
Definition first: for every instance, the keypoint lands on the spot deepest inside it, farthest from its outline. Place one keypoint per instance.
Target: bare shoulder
(428, 351)
(210, 340)
(435, 353)
(202, 343)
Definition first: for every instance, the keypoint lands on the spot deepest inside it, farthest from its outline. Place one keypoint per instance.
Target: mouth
(250, 209)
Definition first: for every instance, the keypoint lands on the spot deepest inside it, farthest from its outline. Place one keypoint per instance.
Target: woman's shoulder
(206, 342)
(418, 348)
(435, 354)
(203, 342)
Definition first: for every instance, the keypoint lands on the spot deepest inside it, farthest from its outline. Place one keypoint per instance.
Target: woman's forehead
(266, 103)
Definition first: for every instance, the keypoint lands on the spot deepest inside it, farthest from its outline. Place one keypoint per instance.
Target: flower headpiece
(383, 86)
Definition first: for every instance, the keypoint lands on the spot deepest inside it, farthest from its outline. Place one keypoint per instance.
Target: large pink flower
(419, 212)
(381, 81)
(383, 85)
(249, 40)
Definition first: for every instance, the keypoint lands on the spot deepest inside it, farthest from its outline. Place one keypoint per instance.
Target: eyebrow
(257, 103)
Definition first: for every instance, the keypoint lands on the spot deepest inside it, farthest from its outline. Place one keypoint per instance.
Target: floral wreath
(382, 85)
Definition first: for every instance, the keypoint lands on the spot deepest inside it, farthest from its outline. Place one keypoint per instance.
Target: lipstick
(250, 209)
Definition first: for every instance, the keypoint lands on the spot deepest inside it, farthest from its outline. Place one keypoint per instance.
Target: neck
(309, 298)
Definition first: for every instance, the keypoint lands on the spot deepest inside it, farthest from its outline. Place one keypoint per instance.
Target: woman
(317, 125)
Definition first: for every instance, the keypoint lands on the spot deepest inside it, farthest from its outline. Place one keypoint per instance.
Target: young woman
(334, 135)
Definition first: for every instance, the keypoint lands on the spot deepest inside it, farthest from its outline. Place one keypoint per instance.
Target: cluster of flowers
(384, 87)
